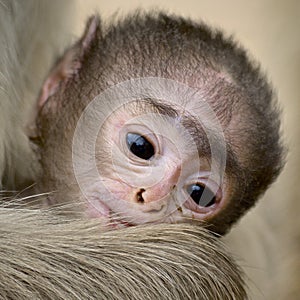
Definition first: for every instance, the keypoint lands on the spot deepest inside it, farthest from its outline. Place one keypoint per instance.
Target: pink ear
(70, 63)
(64, 69)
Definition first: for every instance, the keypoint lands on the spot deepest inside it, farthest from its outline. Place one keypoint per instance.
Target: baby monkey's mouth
(111, 219)
(119, 223)
(118, 216)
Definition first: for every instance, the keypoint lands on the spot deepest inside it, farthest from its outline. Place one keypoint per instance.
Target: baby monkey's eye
(139, 146)
(196, 193)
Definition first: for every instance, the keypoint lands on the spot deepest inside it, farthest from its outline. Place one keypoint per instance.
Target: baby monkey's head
(157, 119)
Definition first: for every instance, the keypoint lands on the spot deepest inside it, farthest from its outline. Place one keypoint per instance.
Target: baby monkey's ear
(69, 64)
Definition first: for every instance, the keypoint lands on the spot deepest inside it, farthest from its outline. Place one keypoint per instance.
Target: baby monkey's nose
(139, 196)
(152, 194)
(161, 189)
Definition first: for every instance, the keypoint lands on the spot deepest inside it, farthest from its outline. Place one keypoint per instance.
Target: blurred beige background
(270, 30)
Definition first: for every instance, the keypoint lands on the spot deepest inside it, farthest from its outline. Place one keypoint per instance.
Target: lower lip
(97, 209)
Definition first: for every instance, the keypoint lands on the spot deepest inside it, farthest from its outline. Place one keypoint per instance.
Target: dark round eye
(204, 199)
(139, 146)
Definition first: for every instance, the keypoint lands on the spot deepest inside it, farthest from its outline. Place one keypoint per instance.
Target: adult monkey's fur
(43, 256)
(24, 61)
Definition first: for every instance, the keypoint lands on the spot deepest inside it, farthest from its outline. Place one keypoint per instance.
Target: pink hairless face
(150, 168)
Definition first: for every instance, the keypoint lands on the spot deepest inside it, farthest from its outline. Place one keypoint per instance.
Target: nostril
(139, 196)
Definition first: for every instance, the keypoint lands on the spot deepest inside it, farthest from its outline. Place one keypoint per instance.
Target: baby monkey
(156, 118)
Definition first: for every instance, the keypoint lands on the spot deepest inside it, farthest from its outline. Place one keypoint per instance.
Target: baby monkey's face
(151, 168)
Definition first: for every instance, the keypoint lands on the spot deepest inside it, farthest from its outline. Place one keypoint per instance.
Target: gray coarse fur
(44, 256)
(24, 61)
